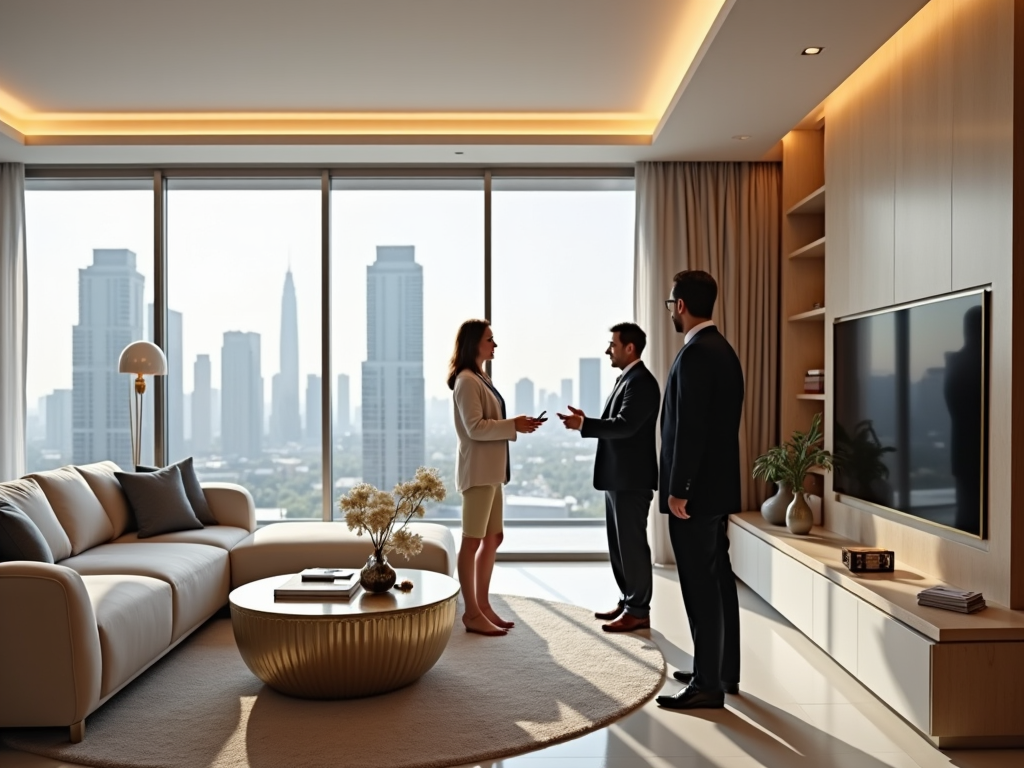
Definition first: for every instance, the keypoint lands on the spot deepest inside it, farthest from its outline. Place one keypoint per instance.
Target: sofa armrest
(50, 662)
(231, 504)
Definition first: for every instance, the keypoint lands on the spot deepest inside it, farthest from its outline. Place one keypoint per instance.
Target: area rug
(555, 676)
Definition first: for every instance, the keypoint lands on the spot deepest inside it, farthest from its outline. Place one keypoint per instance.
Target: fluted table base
(346, 656)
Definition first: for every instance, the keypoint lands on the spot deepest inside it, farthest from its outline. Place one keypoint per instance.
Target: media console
(954, 677)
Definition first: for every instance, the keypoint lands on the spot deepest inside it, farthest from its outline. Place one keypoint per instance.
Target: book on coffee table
(329, 574)
(317, 591)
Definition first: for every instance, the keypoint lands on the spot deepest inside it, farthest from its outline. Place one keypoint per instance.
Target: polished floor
(796, 707)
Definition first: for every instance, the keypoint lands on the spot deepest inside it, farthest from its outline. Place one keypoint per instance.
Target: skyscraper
(241, 395)
(202, 407)
(285, 422)
(110, 296)
(524, 397)
(314, 409)
(174, 386)
(393, 400)
(58, 422)
(590, 386)
(344, 407)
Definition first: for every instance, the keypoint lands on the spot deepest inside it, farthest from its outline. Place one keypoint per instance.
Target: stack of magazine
(320, 585)
(951, 599)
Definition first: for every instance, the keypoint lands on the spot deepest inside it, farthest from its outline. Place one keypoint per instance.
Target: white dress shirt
(697, 329)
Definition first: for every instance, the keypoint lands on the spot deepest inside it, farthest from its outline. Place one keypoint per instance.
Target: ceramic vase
(774, 508)
(377, 575)
(799, 518)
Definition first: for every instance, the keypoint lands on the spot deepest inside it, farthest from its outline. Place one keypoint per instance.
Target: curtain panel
(723, 218)
(13, 326)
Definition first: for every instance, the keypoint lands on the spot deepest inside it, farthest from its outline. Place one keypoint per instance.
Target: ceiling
(417, 81)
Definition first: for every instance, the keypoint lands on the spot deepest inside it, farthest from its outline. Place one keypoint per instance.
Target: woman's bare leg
(474, 618)
(484, 567)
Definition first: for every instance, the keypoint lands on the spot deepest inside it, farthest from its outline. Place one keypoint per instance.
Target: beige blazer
(483, 434)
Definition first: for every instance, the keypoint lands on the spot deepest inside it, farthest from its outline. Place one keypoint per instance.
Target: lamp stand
(135, 420)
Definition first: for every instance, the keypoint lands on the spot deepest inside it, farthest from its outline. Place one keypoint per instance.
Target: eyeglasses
(670, 304)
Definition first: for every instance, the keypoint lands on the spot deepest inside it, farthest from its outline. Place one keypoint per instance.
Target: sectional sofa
(75, 632)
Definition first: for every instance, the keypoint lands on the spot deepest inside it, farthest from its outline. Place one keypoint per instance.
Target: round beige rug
(553, 677)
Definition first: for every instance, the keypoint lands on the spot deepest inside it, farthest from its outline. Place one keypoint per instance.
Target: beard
(678, 323)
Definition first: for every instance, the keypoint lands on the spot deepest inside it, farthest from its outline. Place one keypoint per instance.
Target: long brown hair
(467, 347)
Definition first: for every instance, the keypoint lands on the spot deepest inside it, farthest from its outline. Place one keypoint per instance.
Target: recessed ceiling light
(814, 50)
(742, 137)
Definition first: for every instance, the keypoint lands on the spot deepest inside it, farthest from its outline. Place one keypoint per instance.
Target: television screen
(909, 426)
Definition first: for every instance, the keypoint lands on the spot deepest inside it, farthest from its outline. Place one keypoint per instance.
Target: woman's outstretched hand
(527, 424)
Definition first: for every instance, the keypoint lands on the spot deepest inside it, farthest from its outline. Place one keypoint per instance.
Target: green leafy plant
(790, 462)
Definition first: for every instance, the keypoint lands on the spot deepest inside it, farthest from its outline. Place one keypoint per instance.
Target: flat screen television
(910, 412)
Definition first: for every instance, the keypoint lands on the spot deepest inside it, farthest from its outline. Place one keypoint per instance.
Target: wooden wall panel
(872, 208)
(949, 144)
(922, 99)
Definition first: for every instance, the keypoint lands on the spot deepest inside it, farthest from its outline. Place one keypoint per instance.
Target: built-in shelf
(808, 396)
(815, 250)
(813, 203)
(816, 471)
(814, 314)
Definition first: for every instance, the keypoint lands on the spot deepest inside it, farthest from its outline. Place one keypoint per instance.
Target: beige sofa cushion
(80, 513)
(26, 495)
(100, 477)
(223, 536)
(289, 547)
(198, 574)
(133, 616)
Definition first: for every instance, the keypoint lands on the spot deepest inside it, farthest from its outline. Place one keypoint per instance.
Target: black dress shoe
(685, 677)
(691, 698)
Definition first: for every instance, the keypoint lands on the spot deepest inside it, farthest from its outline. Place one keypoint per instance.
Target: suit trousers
(701, 547)
(630, 554)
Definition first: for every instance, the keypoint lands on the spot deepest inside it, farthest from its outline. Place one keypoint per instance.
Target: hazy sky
(562, 273)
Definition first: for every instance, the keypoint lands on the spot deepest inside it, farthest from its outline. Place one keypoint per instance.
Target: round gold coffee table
(344, 648)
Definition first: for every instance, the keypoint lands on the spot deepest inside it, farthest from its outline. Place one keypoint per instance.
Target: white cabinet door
(894, 661)
(834, 624)
(743, 554)
(791, 590)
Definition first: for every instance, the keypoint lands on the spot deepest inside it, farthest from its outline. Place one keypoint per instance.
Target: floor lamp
(140, 358)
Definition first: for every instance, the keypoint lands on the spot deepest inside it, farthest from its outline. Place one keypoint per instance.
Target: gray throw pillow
(158, 501)
(193, 490)
(20, 539)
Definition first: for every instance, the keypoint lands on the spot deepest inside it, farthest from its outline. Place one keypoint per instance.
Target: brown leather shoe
(609, 615)
(627, 623)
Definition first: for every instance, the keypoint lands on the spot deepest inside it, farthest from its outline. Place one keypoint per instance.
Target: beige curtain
(723, 218)
(13, 327)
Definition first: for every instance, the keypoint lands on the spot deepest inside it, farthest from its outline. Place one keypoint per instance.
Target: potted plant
(770, 467)
(383, 516)
(789, 464)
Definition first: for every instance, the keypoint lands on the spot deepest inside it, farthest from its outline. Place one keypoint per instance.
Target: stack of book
(951, 599)
(320, 585)
(814, 381)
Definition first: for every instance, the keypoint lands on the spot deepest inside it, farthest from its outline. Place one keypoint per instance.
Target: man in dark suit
(700, 488)
(626, 469)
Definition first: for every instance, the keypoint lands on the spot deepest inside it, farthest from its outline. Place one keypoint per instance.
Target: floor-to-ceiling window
(244, 324)
(407, 268)
(562, 276)
(244, 337)
(90, 270)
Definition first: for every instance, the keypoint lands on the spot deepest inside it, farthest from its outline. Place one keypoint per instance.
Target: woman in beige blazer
(481, 468)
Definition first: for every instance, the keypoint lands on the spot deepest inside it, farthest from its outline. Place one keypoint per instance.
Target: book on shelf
(950, 599)
(816, 372)
(329, 574)
(317, 591)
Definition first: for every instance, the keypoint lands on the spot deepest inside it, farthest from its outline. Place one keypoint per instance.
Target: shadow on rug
(555, 676)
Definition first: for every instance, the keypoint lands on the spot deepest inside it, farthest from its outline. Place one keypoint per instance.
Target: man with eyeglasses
(626, 469)
(700, 488)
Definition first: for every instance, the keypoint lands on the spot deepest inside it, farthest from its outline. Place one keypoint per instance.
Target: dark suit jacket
(700, 423)
(627, 458)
